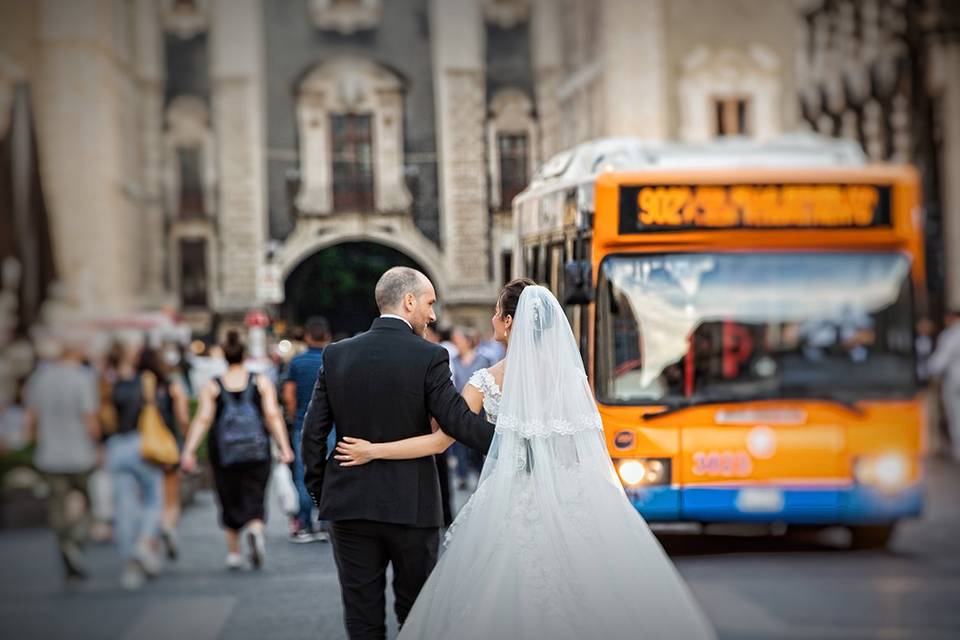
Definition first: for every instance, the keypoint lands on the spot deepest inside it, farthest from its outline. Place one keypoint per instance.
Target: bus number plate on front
(762, 500)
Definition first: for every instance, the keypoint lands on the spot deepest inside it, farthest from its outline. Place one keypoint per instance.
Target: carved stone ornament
(186, 18)
(506, 13)
(346, 16)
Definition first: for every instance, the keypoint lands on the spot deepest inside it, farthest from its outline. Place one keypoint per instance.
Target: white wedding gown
(549, 546)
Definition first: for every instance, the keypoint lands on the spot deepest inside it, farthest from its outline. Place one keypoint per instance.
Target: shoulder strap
(250, 388)
(148, 384)
(226, 395)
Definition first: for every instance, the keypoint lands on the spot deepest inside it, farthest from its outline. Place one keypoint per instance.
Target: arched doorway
(338, 282)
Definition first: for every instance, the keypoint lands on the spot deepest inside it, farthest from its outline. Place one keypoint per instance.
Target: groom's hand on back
(352, 452)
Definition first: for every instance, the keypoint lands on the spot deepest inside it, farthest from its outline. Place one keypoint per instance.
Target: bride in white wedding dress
(548, 546)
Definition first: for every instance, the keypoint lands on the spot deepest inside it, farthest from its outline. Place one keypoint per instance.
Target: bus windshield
(684, 328)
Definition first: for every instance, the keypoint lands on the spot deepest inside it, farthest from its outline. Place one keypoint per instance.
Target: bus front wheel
(874, 536)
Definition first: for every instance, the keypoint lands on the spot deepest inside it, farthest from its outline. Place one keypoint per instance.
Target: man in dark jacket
(385, 385)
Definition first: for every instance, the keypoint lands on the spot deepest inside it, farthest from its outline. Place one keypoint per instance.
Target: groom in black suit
(385, 385)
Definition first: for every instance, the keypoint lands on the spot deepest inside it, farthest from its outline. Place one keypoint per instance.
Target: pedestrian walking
(13, 421)
(174, 408)
(61, 418)
(491, 349)
(945, 364)
(137, 484)
(464, 365)
(297, 389)
(239, 409)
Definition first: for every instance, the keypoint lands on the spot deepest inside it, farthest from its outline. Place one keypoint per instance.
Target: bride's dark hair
(510, 296)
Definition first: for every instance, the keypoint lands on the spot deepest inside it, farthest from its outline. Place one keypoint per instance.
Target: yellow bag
(108, 410)
(157, 444)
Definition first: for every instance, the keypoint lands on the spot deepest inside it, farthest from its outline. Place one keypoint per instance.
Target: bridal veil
(549, 546)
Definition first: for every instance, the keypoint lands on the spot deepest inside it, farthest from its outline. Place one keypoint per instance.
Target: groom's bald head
(409, 294)
(395, 284)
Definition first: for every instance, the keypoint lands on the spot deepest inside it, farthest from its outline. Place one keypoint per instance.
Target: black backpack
(241, 437)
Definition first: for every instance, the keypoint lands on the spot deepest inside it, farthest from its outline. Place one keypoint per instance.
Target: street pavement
(794, 586)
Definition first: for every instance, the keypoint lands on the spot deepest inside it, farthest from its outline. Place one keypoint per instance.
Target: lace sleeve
(480, 380)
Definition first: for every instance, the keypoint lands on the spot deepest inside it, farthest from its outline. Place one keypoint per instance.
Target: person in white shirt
(945, 364)
(62, 402)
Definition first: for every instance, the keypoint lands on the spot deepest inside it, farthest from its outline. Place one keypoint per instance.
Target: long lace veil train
(549, 546)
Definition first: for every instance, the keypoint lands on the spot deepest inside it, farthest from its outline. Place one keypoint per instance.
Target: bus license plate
(760, 500)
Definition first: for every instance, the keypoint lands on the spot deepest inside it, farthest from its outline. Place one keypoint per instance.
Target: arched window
(190, 183)
(350, 119)
(189, 167)
(511, 139)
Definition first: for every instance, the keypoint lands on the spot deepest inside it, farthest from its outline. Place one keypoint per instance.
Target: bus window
(549, 262)
(533, 259)
(506, 266)
(585, 253)
(707, 327)
(542, 257)
(555, 274)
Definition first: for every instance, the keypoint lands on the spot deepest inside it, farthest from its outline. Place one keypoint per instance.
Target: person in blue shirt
(297, 389)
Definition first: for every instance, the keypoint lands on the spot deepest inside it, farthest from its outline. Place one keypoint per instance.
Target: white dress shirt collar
(396, 317)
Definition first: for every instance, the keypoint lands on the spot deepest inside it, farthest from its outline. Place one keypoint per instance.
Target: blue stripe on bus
(847, 505)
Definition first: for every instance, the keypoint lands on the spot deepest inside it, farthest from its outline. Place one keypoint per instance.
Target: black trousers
(443, 473)
(362, 549)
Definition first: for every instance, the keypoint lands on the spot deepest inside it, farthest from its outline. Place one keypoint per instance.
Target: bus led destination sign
(816, 206)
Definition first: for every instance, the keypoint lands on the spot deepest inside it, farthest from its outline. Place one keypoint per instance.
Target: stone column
(238, 124)
(636, 64)
(459, 87)
(149, 73)
(546, 54)
(81, 103)
(951, 172)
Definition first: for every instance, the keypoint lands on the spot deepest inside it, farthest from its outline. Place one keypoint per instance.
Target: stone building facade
(196, 153)
(887, 74)
(684, 69)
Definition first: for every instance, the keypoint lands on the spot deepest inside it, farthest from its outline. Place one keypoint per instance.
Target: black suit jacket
(384, 385)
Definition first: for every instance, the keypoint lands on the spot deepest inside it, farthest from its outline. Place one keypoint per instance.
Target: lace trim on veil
(531, 428)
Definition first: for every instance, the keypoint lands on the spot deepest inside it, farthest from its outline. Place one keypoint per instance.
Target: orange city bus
(746, 315)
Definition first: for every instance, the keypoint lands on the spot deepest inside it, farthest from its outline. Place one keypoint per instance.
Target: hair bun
(233, 337)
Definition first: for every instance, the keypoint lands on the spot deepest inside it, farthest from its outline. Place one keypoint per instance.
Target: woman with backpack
(240, 411)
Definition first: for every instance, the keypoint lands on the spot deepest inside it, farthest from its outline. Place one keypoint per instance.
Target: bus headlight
(643, 471)
(887, 471)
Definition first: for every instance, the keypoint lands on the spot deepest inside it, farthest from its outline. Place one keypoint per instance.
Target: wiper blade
(697, 402)
(846, 403)
(833, 398)
(669, 410)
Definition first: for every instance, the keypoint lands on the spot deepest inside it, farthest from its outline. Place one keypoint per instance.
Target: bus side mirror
(577, 282)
